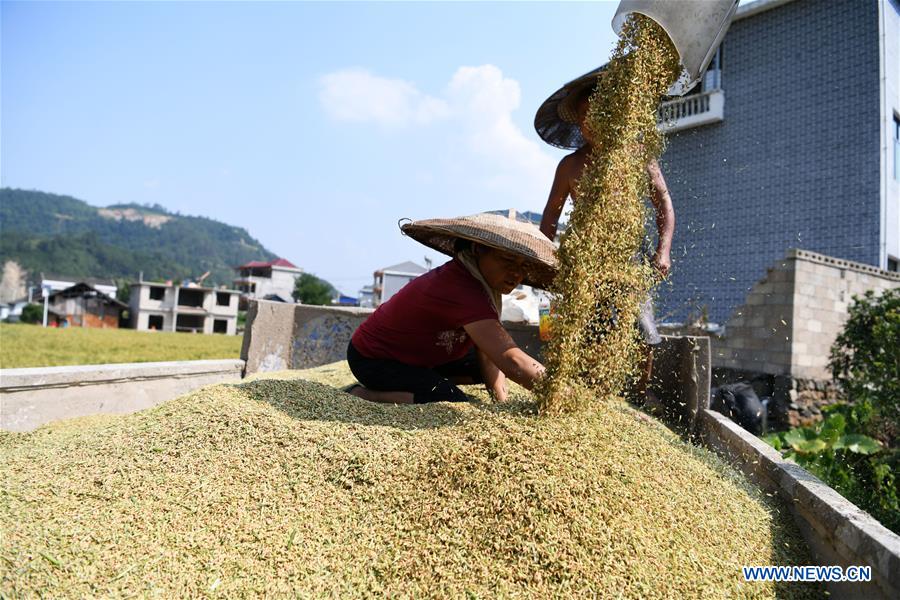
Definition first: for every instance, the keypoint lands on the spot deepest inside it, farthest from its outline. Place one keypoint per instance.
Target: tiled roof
(257, 264)
(406, 267)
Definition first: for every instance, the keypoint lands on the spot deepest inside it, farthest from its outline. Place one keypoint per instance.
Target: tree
(123, 291)
(865, 360)
(32, 313)
(309, 289)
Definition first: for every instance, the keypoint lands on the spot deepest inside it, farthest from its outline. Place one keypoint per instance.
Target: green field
(33, 346)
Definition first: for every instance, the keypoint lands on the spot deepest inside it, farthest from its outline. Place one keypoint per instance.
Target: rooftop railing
(692, 111)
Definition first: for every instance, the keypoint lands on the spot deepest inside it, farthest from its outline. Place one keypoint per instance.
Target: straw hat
(502, 233)
(556, 120)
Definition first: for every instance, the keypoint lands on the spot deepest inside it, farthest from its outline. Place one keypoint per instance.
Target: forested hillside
(66, 236)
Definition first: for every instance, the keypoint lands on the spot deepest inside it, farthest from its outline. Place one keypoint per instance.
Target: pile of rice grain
(599, 285)
(292, 487)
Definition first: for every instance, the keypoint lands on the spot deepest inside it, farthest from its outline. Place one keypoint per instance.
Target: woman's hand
(496, 344)
(663, 262)
(499, 391)
(493, 377)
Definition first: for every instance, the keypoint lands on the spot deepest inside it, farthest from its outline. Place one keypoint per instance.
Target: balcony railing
(691, 111)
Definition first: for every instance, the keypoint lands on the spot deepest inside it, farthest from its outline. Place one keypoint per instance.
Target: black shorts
(605, 317)
(426, 385)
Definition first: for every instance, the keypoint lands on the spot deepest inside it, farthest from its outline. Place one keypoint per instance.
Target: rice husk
(290, 487)
(599, 285)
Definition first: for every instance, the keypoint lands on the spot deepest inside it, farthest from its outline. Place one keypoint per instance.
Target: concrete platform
(30, 398)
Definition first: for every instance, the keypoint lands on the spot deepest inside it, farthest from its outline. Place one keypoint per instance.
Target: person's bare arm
(559, 191)
(499, 347)
(494, 379)
(665, 218)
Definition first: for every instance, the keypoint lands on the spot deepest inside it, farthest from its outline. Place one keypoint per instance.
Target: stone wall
(823, 289)
(791, 317)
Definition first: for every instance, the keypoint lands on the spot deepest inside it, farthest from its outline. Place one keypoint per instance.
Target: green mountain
(63, 235)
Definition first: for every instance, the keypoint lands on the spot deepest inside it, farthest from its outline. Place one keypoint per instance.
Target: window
(893, 264)
(155, 321)
(190, 323)
(712, 79)
(190, 297)
(157, 293)
(223, 299)
(896, 147)
(220, 326)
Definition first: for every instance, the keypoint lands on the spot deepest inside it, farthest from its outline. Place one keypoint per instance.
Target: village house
(56, 283)
(12, 311)
(82, 305)
(186, 308)
(272, 280)
(389, 280)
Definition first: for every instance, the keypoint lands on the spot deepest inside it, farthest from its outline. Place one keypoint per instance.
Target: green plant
(822, 442)
(865, 361)
(309, 289)
(856, 465)
(32, 313)
(855, 449)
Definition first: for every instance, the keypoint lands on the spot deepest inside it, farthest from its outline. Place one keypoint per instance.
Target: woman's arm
(494, 379)
(499, 347)
(665, 218)
(559, 191)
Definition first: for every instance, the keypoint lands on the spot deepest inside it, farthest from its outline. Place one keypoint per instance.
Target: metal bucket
(696, 27)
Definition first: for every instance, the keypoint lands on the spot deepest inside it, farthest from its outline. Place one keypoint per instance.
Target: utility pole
(46, 293)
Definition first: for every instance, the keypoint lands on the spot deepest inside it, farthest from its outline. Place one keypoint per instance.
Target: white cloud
(484, 100)
(478, 103)
(358, 95)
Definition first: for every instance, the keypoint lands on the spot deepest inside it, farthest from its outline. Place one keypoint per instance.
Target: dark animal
(739, 402)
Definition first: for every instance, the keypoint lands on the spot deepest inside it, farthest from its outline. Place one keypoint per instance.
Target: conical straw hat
(502, 233)
(556, 120)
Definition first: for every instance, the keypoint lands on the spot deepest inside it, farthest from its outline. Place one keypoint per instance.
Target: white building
(167, 307)
(389, 280)
(13, 310)
(366, 296)
(273, 280)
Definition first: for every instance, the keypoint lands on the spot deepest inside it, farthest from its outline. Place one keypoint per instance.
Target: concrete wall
(837, 532)
(30, 398)
(297, 336)
(792, 316)
(794, 163)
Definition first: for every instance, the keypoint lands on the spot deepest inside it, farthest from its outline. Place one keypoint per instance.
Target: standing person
(560, 121)
(443, 328)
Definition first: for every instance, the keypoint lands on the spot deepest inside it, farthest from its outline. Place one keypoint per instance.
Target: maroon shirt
(422, 324)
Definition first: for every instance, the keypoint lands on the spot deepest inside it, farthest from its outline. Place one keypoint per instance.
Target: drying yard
(284, 485)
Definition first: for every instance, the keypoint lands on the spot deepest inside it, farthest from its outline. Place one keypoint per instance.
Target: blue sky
(316, 126)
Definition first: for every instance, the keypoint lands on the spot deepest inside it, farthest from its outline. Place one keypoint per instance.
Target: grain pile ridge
(290, 487)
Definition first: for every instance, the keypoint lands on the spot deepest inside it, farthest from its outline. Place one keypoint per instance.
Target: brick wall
(795, 163)
(823, 290)
(791, 317)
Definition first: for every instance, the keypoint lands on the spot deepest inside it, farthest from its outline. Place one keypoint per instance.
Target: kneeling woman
(443, 328)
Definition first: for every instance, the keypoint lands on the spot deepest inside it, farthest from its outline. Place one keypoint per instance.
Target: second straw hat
(556, 120)
(495, 231)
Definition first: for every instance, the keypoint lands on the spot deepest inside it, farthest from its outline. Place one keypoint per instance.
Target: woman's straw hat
(556, 120)
(502, 233)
